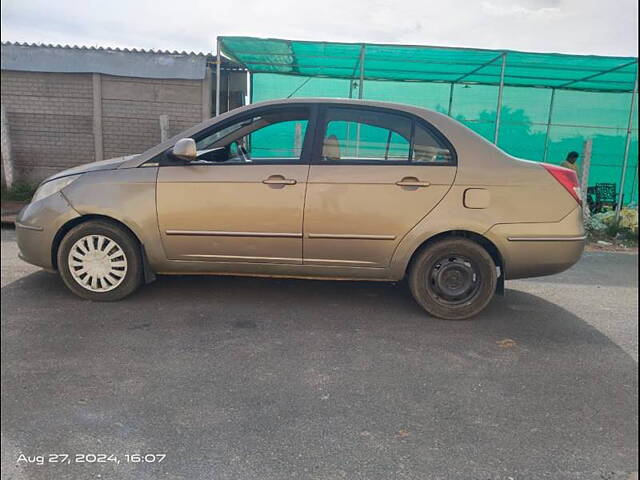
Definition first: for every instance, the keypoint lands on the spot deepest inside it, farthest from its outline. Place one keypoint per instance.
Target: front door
(374, 175)
(242, 201)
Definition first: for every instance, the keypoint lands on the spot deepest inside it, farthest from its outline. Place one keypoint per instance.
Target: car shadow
(273, 377)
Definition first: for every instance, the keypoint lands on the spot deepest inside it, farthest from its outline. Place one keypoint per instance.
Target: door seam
(304, 211)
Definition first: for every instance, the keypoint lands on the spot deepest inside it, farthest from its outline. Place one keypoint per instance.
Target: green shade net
(282, 140)
(592, 98)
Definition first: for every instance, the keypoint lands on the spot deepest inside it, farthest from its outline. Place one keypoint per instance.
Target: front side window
(273, 136)
(373, 136)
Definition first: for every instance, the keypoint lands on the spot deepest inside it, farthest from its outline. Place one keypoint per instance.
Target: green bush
(603, 226)
(19, 192)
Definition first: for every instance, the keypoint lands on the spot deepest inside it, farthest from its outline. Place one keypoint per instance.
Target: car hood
(110, 164)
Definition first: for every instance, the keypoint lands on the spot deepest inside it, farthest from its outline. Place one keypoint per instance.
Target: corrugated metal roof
(99, 48)
(140, 63)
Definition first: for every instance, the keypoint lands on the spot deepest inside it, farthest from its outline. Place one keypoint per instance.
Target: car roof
(342, 101)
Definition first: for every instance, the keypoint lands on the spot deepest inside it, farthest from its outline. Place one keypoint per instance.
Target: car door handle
(412, 182)
(279, 180)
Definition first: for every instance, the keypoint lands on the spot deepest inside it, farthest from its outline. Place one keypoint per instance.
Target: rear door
(375, 174)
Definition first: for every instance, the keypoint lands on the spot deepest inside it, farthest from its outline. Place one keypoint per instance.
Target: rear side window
(373, 136)
(429, 149)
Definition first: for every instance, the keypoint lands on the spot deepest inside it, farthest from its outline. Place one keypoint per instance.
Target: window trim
(321, 126)
(307, 142)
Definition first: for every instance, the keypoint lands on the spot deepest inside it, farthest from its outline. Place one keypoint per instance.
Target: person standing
(570, 162)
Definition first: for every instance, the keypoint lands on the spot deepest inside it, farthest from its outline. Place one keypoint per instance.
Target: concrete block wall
(59, 120)
(131, 108)
(50, 121)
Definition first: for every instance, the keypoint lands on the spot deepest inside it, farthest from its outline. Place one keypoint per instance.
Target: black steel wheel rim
(453, 280)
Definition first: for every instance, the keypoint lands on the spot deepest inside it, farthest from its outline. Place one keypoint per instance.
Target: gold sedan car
(312, 188)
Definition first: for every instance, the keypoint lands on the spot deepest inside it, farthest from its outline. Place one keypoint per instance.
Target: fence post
(547, 136)
(164, 127)
(297, 139)
(218, 70)
(360, 94)
(98, 145)
(627, 145)
(496, 133)
(361, 89)
(7, 159)
(207, 86)
(584, 183)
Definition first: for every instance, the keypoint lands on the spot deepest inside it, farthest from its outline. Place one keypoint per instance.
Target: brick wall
(50, 117)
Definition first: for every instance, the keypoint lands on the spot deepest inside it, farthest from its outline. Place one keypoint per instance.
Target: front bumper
(37, 225)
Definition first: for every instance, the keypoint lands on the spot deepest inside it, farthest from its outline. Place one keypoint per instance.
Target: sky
(566, 26)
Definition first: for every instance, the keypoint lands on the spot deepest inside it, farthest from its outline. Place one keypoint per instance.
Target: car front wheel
(453, 279)
(98, 260)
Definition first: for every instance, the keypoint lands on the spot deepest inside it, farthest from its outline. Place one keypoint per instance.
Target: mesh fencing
(551, 103)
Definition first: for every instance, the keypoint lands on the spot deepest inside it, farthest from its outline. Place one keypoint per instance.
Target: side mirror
(185, 149)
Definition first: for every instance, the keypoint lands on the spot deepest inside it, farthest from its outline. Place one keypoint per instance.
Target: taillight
(567, 178)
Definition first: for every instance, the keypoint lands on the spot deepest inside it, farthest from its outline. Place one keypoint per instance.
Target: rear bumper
(538, 249)
(36, 228)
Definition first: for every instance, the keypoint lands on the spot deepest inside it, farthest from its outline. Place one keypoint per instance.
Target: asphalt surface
(240, 378)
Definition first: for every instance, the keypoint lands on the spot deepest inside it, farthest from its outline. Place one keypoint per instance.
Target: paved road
(239, 378)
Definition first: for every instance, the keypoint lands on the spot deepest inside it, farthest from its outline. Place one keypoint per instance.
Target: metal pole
(348, 140)
(497, 130)
(361, 90)
(584, 181)
(627, 146)
(360, 94)
(450, 99)
(547, 136)
(297, 139)
(218, 62)
(352, 84)
(248, 95)
(228, 92)
(634, 184)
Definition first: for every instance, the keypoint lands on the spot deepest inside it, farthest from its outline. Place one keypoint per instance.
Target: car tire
(101, 261)
(453, 278)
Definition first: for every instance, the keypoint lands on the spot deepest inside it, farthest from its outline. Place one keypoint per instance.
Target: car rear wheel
(100, 261)
(453, 279)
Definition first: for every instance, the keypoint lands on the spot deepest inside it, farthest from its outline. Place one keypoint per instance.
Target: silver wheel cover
(97, 263)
